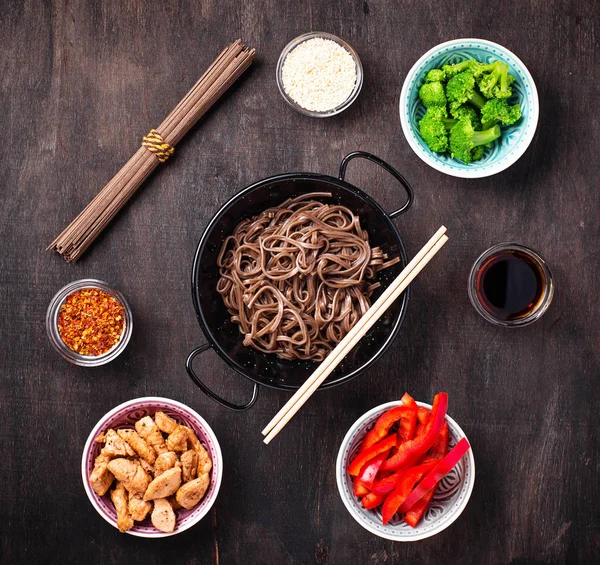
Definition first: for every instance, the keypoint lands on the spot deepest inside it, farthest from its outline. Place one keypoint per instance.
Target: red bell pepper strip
(369, 472)
(440, 447)
(442, 468)
(423, 415)
(408, 421)
(408, 426)
(372, 500)
(368, 454)
(403, 489)
(388, 484)
(411, 450)
(414, 515)
(360, 490)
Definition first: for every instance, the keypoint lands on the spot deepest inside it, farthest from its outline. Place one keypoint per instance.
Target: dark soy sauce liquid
(510, 285)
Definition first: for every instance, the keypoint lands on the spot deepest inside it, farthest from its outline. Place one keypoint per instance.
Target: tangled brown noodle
(297, 277)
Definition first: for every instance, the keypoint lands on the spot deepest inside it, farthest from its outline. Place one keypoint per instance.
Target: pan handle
(213, 395)
(396, 174)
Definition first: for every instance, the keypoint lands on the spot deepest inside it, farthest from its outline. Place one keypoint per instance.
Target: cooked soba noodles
(297, 277)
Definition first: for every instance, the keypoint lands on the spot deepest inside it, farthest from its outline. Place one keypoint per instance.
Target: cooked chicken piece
(115, 446)
(177, 440)
(204, 461)
(165, 423)
(173, 500)
(119, 498)
(139, 445)
(164, 485)
(164, 462)
(101, 478)
(149, 431)
(138, 507)
(131, 474)
(191, 493)
(163, 517)
(100, 438)
(150, 469)
(189, 465)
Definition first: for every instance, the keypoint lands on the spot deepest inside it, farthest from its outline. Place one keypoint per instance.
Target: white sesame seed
(319, 75)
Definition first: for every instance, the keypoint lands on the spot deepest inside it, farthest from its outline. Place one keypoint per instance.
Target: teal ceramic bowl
(514, 140)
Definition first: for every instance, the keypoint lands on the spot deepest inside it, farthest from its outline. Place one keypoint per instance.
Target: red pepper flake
(91, 321)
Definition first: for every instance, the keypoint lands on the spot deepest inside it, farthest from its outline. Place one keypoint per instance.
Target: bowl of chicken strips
(152, 467)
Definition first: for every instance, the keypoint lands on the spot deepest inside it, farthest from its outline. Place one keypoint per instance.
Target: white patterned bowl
(514, 140)
(449, 501)
(124, 416)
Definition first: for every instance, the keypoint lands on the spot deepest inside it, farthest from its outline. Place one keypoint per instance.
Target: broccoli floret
(432, 94)
(496, 110)
(465, 141)
(461, 89)
(435, 75)
(496, 80)
(459, 111)
(453, 70)
(434, 130)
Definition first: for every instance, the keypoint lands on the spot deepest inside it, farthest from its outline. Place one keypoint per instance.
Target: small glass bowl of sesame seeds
(319, 74)
(89, 323)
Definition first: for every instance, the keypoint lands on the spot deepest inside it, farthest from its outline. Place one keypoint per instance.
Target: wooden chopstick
(355, 334)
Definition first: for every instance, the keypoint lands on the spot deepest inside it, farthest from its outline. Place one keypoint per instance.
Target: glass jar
(543, 278)
(321, 35)
(61, 346)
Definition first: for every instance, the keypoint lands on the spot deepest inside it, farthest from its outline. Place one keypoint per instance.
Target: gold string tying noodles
(155, 143)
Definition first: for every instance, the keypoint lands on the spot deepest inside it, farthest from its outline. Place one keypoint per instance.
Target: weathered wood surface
(82, 82)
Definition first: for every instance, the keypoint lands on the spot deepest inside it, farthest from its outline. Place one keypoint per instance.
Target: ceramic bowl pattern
(125, 416)
(449, 501)
(514, 140)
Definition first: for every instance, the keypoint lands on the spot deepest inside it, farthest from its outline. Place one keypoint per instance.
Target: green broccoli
(465, 142)
(459, 111)
(434, 127)
(497, 110)
(496, 80)
(432, 94)
(435, 75)
(452, 70)
(461, 89)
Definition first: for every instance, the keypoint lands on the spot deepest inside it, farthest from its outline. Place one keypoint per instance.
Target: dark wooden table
(81, 82)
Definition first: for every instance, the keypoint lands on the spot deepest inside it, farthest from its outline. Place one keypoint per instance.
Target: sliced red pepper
(440, 447)
(387, 484)
(359, 489)
(365, 456)
(369, 472)
(403, 489)
(408, 426)
(414, 515)
(408, 420)
(423, 415)
(442, 468)
(372, 500)
(410, 450)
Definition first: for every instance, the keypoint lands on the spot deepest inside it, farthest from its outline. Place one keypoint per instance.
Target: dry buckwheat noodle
(157, 146)
(297, 277)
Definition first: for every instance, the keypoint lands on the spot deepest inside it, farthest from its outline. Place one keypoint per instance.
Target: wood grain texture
(82, 82)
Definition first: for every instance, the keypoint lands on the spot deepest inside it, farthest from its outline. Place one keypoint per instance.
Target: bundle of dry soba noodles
(297, 277)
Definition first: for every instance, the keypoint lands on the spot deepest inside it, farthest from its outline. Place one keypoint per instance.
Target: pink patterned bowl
(124, 416)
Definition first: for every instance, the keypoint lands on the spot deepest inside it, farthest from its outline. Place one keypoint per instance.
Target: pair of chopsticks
(342, 349)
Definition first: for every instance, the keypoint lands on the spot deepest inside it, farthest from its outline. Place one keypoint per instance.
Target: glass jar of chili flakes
(89, 323)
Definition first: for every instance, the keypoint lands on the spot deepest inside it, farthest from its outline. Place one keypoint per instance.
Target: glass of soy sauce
(510, 285)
